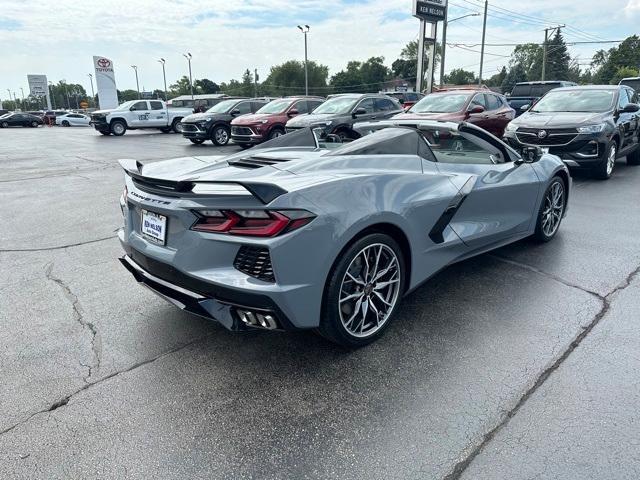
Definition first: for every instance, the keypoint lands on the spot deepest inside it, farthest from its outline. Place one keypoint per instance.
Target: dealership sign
(430, 10)
(105, 82)
(39, 87)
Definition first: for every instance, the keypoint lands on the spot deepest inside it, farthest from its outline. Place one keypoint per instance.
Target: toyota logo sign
(542, 134)
(104, 63)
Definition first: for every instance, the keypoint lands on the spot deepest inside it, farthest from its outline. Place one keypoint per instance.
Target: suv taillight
(251, 223)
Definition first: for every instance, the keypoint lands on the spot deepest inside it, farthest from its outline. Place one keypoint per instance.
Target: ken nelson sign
(430, 10)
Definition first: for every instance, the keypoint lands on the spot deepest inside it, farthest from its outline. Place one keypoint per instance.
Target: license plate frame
(147, 221)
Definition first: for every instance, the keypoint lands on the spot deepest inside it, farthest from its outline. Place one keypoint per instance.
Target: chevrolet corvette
(304, 232)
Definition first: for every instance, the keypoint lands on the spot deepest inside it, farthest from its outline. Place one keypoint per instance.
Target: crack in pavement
(65, 400)
(460, 467)
(96, 347)
(59, 247)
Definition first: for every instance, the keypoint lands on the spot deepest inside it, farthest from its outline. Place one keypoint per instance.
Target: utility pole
(135, 68)
(445, 24)
(484, 35)
(255, 82)
(189, 57)
(93, 93)
(305, 30)
(53, 97)
(545, 48)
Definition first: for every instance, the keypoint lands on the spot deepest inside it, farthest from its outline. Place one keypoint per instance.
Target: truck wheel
(634, 157)
(166, 129)
(197, 141)
(220, 135)
(105, 132)
(118, 128)
(175, 126)
(607, 162)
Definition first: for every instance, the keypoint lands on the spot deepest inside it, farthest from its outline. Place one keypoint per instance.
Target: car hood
(199, 117)
(255, 118)
(559, 119)
(428, 116)
(104, 112)
(309, 119)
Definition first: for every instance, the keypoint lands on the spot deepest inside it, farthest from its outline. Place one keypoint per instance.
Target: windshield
(277, 106)
(633, 83)
(440, 103)
(6, 115)
(338, 105)
(591, 101)
(222, 107)
(126, 105)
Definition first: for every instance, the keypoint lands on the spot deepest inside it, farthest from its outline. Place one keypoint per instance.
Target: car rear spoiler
(264, 192)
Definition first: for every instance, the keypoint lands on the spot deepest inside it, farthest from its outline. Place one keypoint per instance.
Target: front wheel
(197, 141)
(176, 126)
(551, 211)
(607, 163)
(34, 124)
(363, 291)
(275, 133)
(65, 123)
(4, 125)
(220, 135)
(118, 128)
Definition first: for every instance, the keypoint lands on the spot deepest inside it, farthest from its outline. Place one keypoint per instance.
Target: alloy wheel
(554, 203)
(611, 160)
(369, 291)
(118, 129)
(221, 135)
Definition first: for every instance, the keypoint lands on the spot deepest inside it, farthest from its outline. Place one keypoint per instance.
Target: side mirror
(524, 108)
(529, 155)
(631, 108)
(293, 112)
(235, 111)
(359, 111)
(475, 109)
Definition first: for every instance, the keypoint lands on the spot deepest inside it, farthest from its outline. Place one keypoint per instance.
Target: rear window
(633, 83)
(521, 91)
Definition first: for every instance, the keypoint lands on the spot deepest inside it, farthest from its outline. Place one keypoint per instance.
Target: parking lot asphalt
(518, 364)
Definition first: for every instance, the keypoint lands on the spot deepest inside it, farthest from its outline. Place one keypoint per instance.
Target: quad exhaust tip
(257, 319)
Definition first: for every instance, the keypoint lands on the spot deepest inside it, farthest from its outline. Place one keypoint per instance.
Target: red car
(269, 121)
(483, 108)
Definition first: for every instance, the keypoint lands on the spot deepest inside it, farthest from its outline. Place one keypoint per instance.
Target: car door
(158, 117)
(501, 203)
(140, 113)
(481, 119)
(498, 114)
(627, 122)
(385, 108)
(368, 105)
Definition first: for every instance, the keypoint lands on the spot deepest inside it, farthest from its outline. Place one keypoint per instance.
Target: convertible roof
(367, 127)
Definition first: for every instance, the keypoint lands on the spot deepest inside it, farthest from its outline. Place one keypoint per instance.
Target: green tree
(624, 72)
(206, 86)
(529, 57)
(627, 54)
(558, 58)
(516, 74)
(127, 95)
(406, 65)
(368, 76)
(67, 95)
(288, 79)
(181, 87)
(459, 76)
(497, 79)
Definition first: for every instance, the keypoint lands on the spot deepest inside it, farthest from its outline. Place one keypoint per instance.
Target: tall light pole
(93, 93)
(484, 35)
(305, 30)
(164, 76)
(189, 57)
(9, 92)
(444, 40)
(135, 69)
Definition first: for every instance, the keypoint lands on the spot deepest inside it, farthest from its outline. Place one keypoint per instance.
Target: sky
(226, 37)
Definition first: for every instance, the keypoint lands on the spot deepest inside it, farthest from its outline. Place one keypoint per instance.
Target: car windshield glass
(277, 106)
(439, 103)
(336, 105)
(126, 105)
(390, 141)
(6, 115)
(576, 101)
(222, 107)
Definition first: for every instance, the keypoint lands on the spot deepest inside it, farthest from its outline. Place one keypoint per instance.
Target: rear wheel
(363, 291)
(176, 126)
(4, 125)
(551, 211)
(607, 163)
(634, 157)
(197, 141)
(220, 135)
(118, 128)
(65, 123)
(275, 133)
(34, 124)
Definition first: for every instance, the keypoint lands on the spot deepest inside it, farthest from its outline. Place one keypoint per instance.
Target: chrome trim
(164, 283)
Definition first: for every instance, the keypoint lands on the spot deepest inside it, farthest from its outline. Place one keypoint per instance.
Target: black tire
(34, 124)
(104, 132)
(276, 132)
(4, 125)
(542, 234)
(175, 126)
(634, 157)
(166, 129)
(604, 169)
(343, 134)
(197, 141)
(65, 123)
(331, 324)
(118, 128)
(220, 135)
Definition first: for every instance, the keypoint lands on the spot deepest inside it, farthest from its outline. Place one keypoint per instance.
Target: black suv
(587, 127)
(525, 94)
(215, 123)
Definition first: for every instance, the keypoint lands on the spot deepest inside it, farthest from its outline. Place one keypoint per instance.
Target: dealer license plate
(154, 226)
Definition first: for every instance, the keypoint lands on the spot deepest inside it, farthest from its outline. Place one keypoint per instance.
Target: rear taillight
(251, 223)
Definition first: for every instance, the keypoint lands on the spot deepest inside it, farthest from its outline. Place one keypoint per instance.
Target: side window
(367, 104)
(493, 102)
(384, 105)
(634, 96)
(139, 106)
(301, 106)
(313, 104)
(462, 148)
(623, 98)
(478, 101)
(243, 107)
(156, 105)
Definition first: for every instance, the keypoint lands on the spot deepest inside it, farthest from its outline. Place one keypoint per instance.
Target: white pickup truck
(138, 114)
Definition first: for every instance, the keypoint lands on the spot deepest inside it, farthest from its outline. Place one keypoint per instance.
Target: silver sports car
(298, 234)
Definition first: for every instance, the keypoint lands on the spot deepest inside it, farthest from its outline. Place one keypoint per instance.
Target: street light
(189, 57)
(444, 41)
(305, 30)
(93, 93)
(135, 69)
(164, 76)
